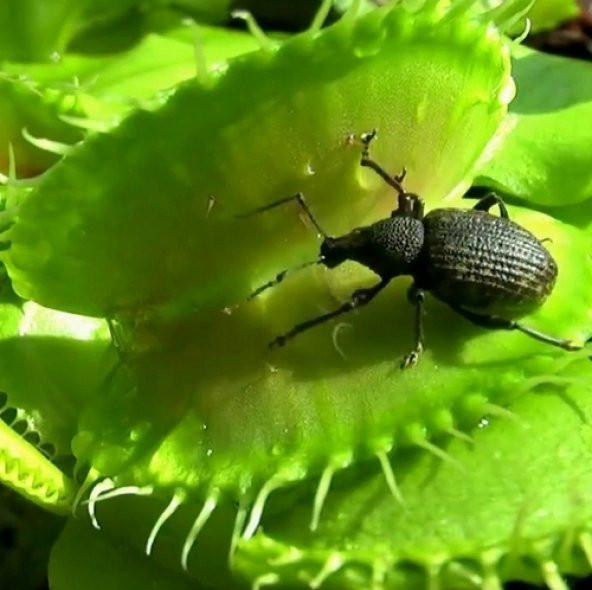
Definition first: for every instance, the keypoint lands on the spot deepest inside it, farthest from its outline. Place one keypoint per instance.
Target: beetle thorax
(389, 247)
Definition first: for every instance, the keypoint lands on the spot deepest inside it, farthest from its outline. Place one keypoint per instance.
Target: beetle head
(334, 251)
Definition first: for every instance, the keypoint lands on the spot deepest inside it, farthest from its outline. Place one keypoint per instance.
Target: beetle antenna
(368, 162)
(282, 275)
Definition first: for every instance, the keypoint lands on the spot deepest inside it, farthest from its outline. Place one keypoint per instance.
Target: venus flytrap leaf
(75, 555)
(507, 15)
(543, 151)
(243, 425)
(332, 84)
(210, 439)
(201, 415)
(104, 89)
(27, 471)
(50, 363)
(507, 516)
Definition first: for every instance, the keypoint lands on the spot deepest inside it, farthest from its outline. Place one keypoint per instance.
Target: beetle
(488, 269)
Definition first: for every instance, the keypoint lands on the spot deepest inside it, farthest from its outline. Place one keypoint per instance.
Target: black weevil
(486, 268)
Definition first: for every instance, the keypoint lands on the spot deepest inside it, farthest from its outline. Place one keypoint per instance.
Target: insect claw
(411, 359)
(366, 138)
(277, 342)
(571, 345)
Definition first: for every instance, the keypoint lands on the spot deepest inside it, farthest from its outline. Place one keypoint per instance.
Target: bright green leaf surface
(311, 92)
(516, 504)
(104, 89)
(544, 153)
(241, 417)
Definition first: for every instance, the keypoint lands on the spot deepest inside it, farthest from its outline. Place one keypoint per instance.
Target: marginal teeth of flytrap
(47, 145)
(257, 511)
(551, 575)
(176, 501)
(454, 432)
(102, 486)
(526, 31)
(463, 571)
(492, 582)
(11, 167)
(96, 125)
(321, 495)
(489, 563)
(501, 412)
(91, 477)
(438, 452)
(291, 556)
(389, 476)
(11, 181)
(239, 523)
(584, 540)
(106, 490)
(433, 571)
(269, 579)
(457, 8)
(333, 564)
(203, 517)
(253, 27)
(379, 571)
(338, 462)
(568, 542)
(322, 13)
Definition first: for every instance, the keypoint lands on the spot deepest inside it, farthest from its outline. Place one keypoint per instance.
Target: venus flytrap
(542, 154)
(210, 440)
(32, 475)
(187, 455)
(95, 92)
(518, 514)
(42, 396)
(54, 256)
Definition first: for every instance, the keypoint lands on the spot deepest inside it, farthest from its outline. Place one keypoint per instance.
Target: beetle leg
(497, 323)
(359, 298)
(416, 297)
(299, 198)
(488, 201)
(280, 277)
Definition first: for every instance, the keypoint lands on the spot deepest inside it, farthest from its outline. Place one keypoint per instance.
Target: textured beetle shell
(390, 246)
(484, 263)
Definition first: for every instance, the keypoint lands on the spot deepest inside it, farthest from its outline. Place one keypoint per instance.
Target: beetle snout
(333, 252)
